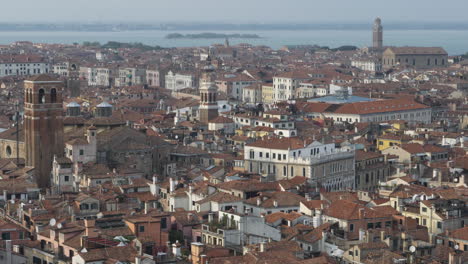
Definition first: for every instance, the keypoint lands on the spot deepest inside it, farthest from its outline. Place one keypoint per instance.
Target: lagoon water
(454, 41)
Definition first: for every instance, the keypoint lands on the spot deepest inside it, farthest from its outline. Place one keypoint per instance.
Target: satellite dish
(121, 244)
(84, 250)
(12, 201)
(52, 222)
(59, 226)
(457, 247)
(412, 249)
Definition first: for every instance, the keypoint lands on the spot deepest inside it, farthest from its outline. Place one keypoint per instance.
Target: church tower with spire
(377, 34)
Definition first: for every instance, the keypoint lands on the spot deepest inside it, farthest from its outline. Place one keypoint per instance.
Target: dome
(104, 104)
(378, 20)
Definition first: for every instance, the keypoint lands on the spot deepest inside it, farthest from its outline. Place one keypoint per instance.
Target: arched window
(8, 151)
(41, 96)
(53, 95)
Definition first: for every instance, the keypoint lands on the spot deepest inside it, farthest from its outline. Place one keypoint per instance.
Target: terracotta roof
(280, 199)
(343, 209)
(43, 78)
(279, 143)
(461, 233)
(220, 197)
(365, 155)
(418, 50)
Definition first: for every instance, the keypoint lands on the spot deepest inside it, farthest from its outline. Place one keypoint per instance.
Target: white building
(286, 84)
(130, 77)
(62, 175)
(178, 81)
(81, 150)
(222, 123)
(376, 111)
(367, 65)
(96, 76)
(22, 65)
(152, 78)
(285, 158)
(64, 68)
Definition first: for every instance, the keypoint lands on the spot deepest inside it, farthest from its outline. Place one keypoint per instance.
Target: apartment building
(22, 65)
(323, 164)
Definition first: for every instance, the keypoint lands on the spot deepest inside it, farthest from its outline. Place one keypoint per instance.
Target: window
(424, 222)
(351, 227)
(81, 152)
(141, 229)
(6, 236)
(439, 224)
(66, 178)
(53, 95)
(41, 96)
(8, 151)
(284, 170)
(164, 223)
(370, 225)
(424, 209)
(260, 154)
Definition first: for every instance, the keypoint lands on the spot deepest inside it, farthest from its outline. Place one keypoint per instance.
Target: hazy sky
(233, 11)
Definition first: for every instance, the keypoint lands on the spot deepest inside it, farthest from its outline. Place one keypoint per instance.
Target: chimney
(90, 228)
(83, 242)
(8, 251)
(203, 259)
(171, 185)
(262, 247)
(275, 203)
(258, 201)
(146, 208)
(361, 213)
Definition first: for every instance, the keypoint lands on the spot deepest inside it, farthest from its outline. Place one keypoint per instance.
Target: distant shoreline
(211, 36)
(97, 27)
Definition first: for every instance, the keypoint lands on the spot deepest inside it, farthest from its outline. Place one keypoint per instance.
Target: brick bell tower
(208, 104)
(43, 125)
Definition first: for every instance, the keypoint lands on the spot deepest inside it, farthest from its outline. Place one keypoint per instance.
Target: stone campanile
(43, 125)
(377, 34)
(208, 90)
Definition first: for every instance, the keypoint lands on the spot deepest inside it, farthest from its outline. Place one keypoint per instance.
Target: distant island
(210, 36)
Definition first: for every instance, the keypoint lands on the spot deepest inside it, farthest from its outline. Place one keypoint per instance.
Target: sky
(232, 11)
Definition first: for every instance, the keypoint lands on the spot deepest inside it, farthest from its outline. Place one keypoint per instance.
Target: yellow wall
(386, 143)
